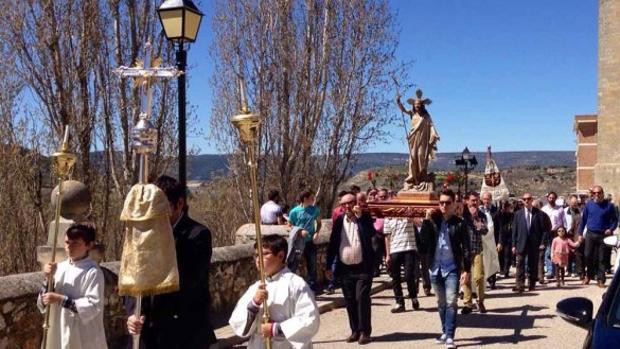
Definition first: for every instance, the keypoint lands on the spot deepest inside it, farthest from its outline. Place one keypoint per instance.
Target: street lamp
(466, 162)
(180, 20)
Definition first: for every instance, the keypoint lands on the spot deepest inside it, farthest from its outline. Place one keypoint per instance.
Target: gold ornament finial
(63, 159)
(246, 122)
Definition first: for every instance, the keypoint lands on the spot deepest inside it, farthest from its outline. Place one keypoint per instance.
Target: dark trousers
(580, 265)
(595, 255)
(423, 272)
(408, 260)
(310, 257)
(505, 259)
(378, 245)
(532, 256)
(356, 283)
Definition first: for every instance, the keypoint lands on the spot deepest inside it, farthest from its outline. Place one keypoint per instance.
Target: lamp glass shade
(192, 23)
(172, 22)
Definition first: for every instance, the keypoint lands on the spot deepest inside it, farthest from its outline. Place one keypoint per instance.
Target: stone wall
(232, 271)
(607, 169)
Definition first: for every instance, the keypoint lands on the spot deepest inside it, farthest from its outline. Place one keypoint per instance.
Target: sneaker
(466, 310)
(415, 304)
(450, 343)
(398, 308)
(441, 339)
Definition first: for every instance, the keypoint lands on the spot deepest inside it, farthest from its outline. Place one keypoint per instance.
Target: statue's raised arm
(401, 106)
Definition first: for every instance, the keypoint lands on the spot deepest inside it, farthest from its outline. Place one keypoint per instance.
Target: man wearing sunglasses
(600, 218)
(527, 233)
(444, 242)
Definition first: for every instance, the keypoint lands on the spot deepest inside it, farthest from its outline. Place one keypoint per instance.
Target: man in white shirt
(556, 215)
(401, 251)
(271, 211)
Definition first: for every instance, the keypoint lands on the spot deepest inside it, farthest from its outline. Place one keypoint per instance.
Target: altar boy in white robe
(294, 313)
(76, 311)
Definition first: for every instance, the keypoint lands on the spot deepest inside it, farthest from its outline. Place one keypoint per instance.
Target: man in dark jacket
(180, 320)
(350, 247)
(503, 237)
(444, 242)
(528, 228)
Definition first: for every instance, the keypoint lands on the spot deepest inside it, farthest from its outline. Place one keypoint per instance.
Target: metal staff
(144, 134)
(248, 125)
(144, 139)
(63, 162)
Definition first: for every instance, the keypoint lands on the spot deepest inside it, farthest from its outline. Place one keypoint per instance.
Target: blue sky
(510, 74)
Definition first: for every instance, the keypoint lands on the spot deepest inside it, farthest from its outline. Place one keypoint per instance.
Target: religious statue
(422, 139)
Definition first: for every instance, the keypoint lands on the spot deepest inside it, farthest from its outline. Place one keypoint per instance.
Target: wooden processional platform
(405, 204)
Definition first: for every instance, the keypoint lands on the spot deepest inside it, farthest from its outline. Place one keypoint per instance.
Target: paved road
(513, 321)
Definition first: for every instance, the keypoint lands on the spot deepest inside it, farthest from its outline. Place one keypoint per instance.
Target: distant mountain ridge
(206, 166)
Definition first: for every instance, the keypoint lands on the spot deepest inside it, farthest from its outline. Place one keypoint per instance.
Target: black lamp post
(180, 20)
(466, 162)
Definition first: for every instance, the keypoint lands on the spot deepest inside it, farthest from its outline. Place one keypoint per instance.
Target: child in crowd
(561, 247)
(294, 315)
(76, 303)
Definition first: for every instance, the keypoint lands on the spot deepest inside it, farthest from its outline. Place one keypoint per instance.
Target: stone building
(598, 158)
(607, 168)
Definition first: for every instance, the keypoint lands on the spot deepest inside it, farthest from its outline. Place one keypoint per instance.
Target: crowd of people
(458, 249)
(461, 248)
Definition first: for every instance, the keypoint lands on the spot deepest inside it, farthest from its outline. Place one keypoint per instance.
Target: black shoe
(461, 295)
(474, 295)
(518, 289)
(466, 310)
(354, 337)
(492, 286)
(364, 339)
(415, 304)
(427, 291)
(481, 308)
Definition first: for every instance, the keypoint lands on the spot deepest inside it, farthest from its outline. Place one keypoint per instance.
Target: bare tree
(317, 72)
(64, 53)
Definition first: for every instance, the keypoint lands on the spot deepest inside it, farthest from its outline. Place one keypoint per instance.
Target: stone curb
(326, 303)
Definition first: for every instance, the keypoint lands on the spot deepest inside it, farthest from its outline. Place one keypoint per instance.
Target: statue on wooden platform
(422, 139)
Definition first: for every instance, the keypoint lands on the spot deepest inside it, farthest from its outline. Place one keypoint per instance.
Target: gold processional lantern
(248, 125)
(63, 162)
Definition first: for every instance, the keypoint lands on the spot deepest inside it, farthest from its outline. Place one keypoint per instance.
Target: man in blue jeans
(444, 242)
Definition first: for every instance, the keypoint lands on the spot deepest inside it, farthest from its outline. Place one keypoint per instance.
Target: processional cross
(144, 134)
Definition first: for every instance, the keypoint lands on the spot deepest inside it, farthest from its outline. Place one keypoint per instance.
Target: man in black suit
(527, 233)
(350, 247)
(180, 320)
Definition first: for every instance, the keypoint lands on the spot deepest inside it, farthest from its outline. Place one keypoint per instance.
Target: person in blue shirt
(444, 242)
(306, 216)
(600, 220)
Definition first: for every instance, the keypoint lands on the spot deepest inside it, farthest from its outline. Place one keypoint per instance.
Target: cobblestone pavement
(513, 321)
